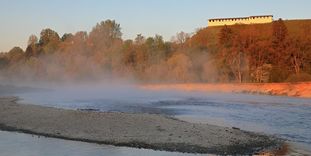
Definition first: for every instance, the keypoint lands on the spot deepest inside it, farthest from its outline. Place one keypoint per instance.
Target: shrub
(302, 77)
(278, 75)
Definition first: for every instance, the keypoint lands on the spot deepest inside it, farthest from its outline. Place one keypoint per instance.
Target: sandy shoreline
(302, 89)
(132, 130)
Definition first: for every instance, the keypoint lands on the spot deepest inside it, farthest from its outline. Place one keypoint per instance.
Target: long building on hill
(240, 20)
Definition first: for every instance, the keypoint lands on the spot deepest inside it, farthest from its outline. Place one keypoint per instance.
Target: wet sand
(302, 89)
(131, 130)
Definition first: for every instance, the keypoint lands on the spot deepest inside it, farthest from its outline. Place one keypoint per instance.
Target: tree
(80, 43)
(66, 37)
(297, 54)
(76, 44)
(104, 34)
(129, 58)
(181, 37)
(200, 40)
(234, 50)
(279, 43)
(260, 68)
(36, 68)
(15, 54)
(141, 59)
(48, 36)
(279, 33)
(236, 57)
(180, 68)
(139, 40)
(240, 53)
(158, 41)
(4, 61)
(31, 49)
(49, 41)
(33, 39)
(225, 36)
(157, 49)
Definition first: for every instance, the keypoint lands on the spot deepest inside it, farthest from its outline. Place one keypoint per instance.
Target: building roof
(240, 17)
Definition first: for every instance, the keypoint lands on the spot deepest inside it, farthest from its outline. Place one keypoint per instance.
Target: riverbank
(302, 89)
(132, 130)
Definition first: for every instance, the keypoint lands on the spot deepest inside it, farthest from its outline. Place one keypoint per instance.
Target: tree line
(240, 53)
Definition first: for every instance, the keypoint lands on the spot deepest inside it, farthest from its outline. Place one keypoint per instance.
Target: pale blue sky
(21, 18)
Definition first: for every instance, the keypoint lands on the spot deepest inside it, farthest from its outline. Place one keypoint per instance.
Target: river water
(18, 144)
(285, 117)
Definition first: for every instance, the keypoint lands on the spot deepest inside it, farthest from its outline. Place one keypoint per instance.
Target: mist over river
(285, 117)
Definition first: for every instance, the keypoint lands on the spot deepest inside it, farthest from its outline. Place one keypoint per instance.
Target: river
(285, 117)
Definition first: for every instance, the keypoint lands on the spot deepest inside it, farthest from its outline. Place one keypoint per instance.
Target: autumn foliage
(276, 52)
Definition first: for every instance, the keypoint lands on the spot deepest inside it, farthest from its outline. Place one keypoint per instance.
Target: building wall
(243, 20)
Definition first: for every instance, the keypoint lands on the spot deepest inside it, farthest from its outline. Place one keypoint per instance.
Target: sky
(21, 18)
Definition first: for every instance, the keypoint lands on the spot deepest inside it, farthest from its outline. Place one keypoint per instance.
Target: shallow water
(286, 117)
(18, 144)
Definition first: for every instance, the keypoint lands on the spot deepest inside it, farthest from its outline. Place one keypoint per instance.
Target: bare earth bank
(132, 130)
(302, 89)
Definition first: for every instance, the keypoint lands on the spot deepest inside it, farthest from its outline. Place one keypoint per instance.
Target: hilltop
(297, 27)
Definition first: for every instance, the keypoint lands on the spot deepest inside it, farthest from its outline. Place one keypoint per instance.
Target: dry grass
(302, 89)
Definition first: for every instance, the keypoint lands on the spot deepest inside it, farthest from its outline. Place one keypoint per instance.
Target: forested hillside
(275, 52)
